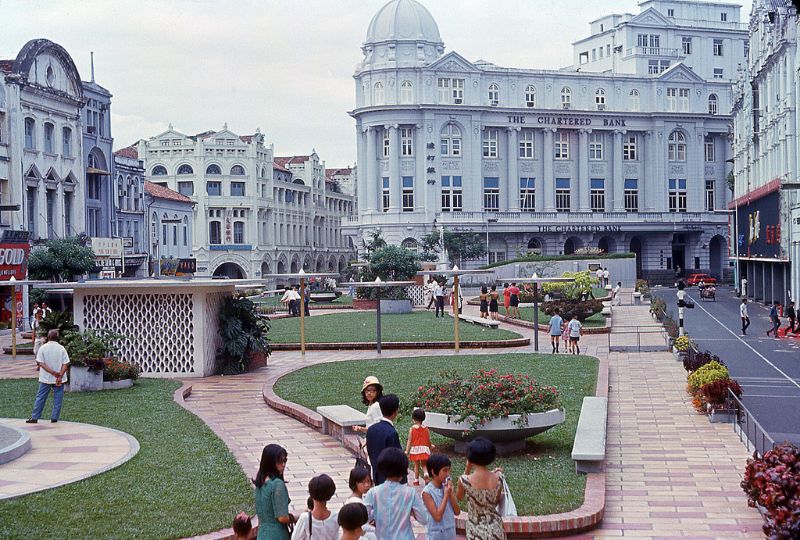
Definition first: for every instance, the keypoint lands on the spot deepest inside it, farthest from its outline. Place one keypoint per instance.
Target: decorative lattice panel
(159, 328)
(212, 340)
(416, 294)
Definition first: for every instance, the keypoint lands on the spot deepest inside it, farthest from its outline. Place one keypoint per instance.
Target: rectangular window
(93, 187)
(101, 123)
(496, 256)
(31, 200)
(406, 142)
(68, 214)
(598, 194)
(562, 145)
(600, 52)
(444, 91)
(238, 232)
(656, 67)
(48, 137)
(451, 194)
(608, 49)
(386, 143)
(596, 146)
(746, 48)
(686, 45)
(66, 138)
(50, 197)
(164, 234)
(631, 195)
(670, 13)
(30, 132)
(458, 91)
(717, 47)
(710, 195)
(723, 17)
(594, 55)
(672, 99)
(677, 195)
(385, 194)
(215, 232)
(563, 197)
(629, 148)
(683, 99)
(490, 141)
(174, 235)
(527, 194)
(709, 150)
(214, 188)
(408, 194)
(491, 194)
(718, 73)
(237, 189)
(526, 144)
(186, 188)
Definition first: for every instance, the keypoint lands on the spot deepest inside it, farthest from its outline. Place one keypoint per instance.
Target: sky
(284, 66)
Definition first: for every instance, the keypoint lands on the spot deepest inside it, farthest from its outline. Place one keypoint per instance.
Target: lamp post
(442, 264)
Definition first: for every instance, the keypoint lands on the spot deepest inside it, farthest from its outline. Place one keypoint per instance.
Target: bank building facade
(626, 150)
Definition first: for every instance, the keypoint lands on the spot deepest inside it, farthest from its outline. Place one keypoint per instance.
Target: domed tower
(402, 34)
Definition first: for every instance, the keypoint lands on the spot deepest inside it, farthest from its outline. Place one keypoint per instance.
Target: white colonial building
(766, 157)
(614, 154)
(252, 216)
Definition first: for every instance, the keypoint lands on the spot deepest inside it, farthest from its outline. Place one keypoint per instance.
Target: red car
(695, 279)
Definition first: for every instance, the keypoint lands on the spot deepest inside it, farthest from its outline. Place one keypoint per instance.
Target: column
(361, 160)
(41, 211)
(370, 203)
(696, 172)
(58, 213)
(583, 170)
(618, 183)
(394, 169)
(547, 202)
(647, 189)
(511, 196)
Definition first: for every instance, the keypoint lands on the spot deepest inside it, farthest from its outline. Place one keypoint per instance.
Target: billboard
(13, 260)
(760, 227)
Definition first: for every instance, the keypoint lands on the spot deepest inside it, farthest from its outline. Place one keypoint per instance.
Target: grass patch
(360, 327)
(183, 481)
(542, 479)
(595, 321)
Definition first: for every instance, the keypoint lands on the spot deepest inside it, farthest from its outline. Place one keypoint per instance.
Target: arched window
(158, 170)
(213, 169)
(712, 104)
(410, 243)
(406, 93)
(633, 100)
(185, 231)
(30, 133)
(378, 97)
(133, 194)
(494, 94)
(450, 143)
(185, 169)
(600, 99)
(530, 96)
(566, 97)
(238, 232)
(66, 141)
(237, 170)
(49, 137)
(677, 146)
(214, 232)
(121, 193)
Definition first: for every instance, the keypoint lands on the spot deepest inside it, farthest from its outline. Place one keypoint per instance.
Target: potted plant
(772, 484)
(87, 351)
(682, 345)
(708, 373)
(119, 374)
(718, 403)
(244, 336)
(506, 409)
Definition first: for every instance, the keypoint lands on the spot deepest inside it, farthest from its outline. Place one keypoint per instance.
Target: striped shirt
(390, 505)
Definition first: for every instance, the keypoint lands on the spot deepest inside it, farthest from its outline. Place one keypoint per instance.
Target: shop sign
(107, 247)
(187, 266)
(760, 227)
(13, 260)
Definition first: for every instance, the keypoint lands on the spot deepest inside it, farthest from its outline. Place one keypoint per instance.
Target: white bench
(489, 323)
(335, 418)
(589, 449)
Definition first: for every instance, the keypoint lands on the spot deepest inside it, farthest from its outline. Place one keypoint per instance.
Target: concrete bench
(589, 449)
(336, 418)
(477, 320)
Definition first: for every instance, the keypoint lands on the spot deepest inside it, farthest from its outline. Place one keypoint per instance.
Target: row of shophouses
(214, 203)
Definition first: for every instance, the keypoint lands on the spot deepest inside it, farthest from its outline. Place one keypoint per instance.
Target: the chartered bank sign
(565, 120)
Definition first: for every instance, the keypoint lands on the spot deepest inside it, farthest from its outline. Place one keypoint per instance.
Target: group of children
(569, 332)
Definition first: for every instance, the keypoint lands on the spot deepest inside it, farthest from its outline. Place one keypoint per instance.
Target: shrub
(117, 370)
(716, 393)
(658, 307)
(568, 308)
(57, 320)
(90, 348)
(696, 360)
(773, 481)
(571, 290)
(243, 331)
(683, 343)
(642, 287)
(484, 396)
(713, 371)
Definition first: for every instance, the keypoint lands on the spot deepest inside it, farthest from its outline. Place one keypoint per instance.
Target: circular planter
(360, 303)
(325, 297)
(117, 385)
(392, 307)
(504, 432)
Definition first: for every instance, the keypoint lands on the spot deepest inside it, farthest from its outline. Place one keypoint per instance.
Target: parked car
(695, 279)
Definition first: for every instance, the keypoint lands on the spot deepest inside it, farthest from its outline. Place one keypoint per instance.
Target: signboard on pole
(107, 247)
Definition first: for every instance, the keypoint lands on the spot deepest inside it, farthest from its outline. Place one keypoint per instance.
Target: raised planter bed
(117, 385)
(504, 432)
(83, 380)
(325, 296)
(360, 303)
(394, 307)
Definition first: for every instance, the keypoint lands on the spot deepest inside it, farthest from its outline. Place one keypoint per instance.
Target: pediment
(453, 62)
(52, 176)
(680, 72)
(170, 133)
(651, 17)
(33, 173)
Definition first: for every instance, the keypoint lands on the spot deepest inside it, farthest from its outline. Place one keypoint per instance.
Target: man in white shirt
(599, 276)
(52, 360)
(606, 276)
(616, 299)
(744, 316)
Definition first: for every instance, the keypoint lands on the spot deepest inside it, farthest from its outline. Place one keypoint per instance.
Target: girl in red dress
(418, 447)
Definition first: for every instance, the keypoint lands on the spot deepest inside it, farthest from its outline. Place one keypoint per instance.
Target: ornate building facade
(549, 161)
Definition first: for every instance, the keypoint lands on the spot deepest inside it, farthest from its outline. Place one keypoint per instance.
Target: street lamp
(442, 264)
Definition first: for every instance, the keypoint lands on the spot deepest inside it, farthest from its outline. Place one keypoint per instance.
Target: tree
(61, 261)
(572, 290)
(375, 242)
(460, 246)
(390, 263)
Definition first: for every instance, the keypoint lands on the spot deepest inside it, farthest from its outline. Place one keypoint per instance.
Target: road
(768, 369)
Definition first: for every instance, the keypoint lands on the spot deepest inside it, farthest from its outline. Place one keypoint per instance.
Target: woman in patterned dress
(483, 490)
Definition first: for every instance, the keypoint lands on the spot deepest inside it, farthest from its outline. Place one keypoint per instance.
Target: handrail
(760, 442)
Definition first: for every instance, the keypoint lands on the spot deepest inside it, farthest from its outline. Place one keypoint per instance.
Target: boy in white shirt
(574, 329)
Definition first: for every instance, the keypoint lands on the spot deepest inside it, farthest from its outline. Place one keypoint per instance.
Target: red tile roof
(278, 167)
(128, 152)
(160, 192)
(291, 160)
(246, 138)
(6, 65)
(203, 135)
(330, 173)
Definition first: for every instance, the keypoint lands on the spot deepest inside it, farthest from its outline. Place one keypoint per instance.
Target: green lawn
(360, 327)
(542, 479)
(595, 321)
(183, 481)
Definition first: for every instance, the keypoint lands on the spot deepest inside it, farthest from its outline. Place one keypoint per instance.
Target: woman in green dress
(272, 499)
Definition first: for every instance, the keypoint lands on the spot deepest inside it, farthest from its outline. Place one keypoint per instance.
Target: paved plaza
(669, 472)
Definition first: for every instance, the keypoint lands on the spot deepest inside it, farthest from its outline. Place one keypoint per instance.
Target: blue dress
(272, 501)
(446, 528)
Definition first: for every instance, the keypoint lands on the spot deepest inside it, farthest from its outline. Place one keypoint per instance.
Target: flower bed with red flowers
(773, 482)
(485, 395)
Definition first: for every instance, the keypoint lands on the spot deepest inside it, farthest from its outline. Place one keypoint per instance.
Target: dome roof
(403, 20)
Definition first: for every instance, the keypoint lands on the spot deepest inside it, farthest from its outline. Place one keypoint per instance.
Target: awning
(92, 170)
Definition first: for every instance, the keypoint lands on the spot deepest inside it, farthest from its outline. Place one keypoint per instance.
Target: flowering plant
(485, 395)
(683, 343)
(713, 371)
(773, 481)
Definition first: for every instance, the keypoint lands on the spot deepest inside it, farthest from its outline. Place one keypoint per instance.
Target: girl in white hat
(371, 393)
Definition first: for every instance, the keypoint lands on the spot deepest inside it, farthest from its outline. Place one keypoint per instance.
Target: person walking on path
(484, 298)
(514, 300)
(306, 300)
(774, 319)
(383, 435)
(744, 316)
(574, 328)
(599, 275)
(616, 297)
(418, 447)
(52, 360)
(493, 298)
(438, 292)
(555, 330)
(606, 277)
(792, 316)
(430, 293)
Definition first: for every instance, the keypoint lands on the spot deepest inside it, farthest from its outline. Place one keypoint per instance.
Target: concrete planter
(117, 385)
(395, 306)
(504, 432)
(325, 297)
(83, 380)
(360, 303)
(721, 415)
(637, 299)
